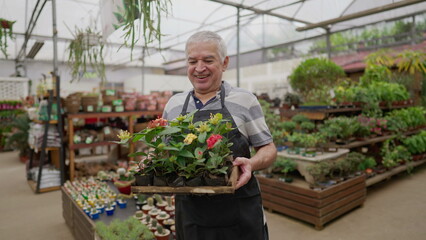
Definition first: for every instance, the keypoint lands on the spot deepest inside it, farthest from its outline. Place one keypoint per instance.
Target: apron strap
(222, 100)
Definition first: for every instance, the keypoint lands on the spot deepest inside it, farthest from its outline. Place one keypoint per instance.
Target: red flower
(212, 140)
(157, 123)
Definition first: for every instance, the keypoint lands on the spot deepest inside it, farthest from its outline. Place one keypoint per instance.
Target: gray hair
(208, 36)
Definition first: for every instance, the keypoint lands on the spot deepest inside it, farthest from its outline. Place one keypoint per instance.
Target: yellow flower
(189, 138)
(228, 126)
(191, 126)
(203, 128)
(124, 135)
(180, 118)
(215, 119)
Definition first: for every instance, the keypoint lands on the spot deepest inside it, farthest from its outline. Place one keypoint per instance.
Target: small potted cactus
(154, 212)
(153, 226)
(161, 233)
(146, 208)
(162, 216)
(94, 213)
(160, 203)
(139, 215)
(121, 202)
(109, 209)
(170, 209)
(168, 223)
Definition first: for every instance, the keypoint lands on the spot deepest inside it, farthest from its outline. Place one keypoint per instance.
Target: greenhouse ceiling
(262, 23)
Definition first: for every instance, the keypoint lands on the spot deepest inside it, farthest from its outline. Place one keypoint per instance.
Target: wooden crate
(314, 206)
(81, 226)
(229, 189)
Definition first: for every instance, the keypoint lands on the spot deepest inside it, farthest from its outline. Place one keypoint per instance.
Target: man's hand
(245, 168)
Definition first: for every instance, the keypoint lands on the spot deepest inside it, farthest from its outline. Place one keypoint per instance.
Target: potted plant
(150, 205)
(315, 73)
(192, 150)
(160, 203)
(161, 233)
(286, 165)
(124, 181)
(319, 171)
(291, 99)
(109, 209)
(131, 228)
(122, 203)
(6, 31)
(18, 139)
(86, 50)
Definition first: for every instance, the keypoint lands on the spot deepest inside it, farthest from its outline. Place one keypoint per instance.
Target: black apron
(226, 216)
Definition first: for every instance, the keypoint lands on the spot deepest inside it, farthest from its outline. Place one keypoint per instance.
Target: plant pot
(144, 180)
(94, 216)
(124, 187)
(195, 181)
(215, 180)
(164, 236)
(122, 204)
(176, 181)
(109, 211)
(159, 181)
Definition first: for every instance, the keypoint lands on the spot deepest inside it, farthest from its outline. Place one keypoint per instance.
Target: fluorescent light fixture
(34, 49)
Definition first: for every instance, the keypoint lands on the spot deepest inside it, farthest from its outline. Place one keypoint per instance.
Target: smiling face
(204, 67)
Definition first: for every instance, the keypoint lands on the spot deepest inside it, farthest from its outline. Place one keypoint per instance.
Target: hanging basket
(6, 23)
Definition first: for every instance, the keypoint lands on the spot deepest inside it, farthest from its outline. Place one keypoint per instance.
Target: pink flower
(212, 140)
(157, 123)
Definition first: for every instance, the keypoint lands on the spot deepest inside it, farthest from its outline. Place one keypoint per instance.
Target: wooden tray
(229, 189)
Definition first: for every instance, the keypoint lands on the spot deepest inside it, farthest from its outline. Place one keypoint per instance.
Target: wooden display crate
(314, 206)
(229, 189)
(81, 226)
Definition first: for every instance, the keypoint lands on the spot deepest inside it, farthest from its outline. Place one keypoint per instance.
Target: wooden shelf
(33, 186)
(375, 140)
(114, 114)
(323, 113)
(91, 145)
(47, 148)
(388, 174)
(42, 122)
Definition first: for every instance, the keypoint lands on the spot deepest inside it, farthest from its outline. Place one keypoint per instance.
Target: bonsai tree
(315, 73)
(292, 99)
(286, 165)
(289, 126)
(299, 118)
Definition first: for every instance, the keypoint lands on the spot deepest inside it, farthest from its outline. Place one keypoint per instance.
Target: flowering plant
(184, 148)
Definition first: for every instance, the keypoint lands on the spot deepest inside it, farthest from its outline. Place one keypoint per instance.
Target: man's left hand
(245, 168)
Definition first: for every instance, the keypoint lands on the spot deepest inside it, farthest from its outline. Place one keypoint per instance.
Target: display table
(81, 225)
(314, 206)
(304, 162)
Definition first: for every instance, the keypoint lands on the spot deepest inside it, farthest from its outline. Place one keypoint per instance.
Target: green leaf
(202, 137)
(170, 130)
(187, 154)
(137, 154)
(171, 148)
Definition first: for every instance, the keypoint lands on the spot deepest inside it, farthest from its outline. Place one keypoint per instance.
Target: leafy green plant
(307, 126)
(285, 164)
(19, 138)
(416, 144)
(299, 118)
(319, 171)
(368, 162)
(149, 14)
(131, 228)
(86, 50)
(292, 99)
(345, 127)
(393, 154)
(315, 73)
(289, 126)
(6, 31)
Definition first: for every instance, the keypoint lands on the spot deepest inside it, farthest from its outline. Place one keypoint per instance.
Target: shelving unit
(45, 150)
(99, 115)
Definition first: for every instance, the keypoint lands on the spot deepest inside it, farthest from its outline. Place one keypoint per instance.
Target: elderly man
(228, 216)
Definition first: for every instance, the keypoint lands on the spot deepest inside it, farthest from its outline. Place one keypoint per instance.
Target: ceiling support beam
(368, 12)
(33, 20)
(259, 11)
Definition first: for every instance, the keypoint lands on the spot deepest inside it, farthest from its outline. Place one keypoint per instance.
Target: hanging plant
(6, 31)
(149, 14)
(86, 50)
